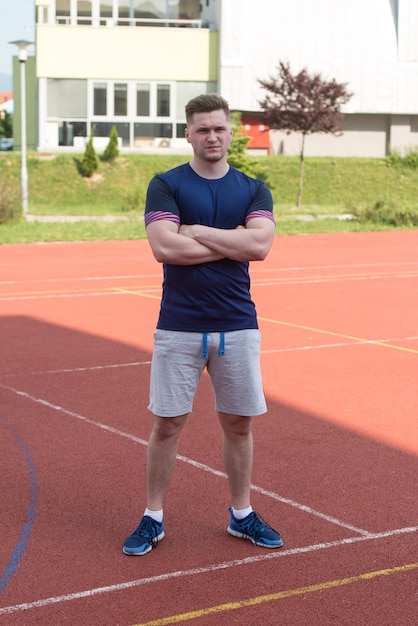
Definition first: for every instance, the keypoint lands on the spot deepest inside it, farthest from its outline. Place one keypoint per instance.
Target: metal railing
(67, 20)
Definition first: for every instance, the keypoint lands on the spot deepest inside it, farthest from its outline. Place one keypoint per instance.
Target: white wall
(371, 135)
(351, 41)
(126, 53)
(363, 136)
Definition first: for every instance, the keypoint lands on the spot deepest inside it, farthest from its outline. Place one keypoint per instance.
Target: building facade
(134, 64)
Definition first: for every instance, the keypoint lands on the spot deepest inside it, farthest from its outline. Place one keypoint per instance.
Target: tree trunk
(301, 166)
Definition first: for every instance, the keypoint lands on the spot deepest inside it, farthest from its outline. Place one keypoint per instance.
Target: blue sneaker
(145, 537)
(254, 528)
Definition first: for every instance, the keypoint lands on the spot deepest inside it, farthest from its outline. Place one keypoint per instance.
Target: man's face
(210, 135)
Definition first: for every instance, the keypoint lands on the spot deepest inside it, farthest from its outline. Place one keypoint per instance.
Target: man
(205, 221)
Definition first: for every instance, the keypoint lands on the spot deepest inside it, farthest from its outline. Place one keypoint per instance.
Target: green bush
(408, 160)
(90, 162)
(386, 213)
(10, 204)
(112, 150)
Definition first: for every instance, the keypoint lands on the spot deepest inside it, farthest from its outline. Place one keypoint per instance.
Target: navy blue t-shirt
(215, 296)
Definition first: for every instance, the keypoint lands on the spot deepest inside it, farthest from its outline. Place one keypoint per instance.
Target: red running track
(336, 455)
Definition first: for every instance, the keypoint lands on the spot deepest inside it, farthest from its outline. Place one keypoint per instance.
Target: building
(134, 64)
(6, 101)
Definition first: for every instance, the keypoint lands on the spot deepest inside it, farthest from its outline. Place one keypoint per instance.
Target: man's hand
(170, 245)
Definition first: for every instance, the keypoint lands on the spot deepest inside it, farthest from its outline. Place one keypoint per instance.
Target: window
(156, 9)
(81, 11)
(103, 129)
(106, 12)
(110, 99)
(153, 130)
(143, 100)
(100, 99)
(124, 12)
(152, 135)
(84, 12)
(120, 99)
(131, 10)
(141, 111)
(68, 130)
(163, 100)
(163, 9)
(153, 100)
(63, 11)
(66, 98)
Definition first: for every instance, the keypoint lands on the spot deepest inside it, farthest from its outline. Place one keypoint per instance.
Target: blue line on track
(21, 545)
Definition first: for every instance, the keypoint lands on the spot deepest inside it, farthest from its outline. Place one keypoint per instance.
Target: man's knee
(235, 425)
(166, 427)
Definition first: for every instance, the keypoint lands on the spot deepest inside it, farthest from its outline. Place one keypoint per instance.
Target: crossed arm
(194, 244)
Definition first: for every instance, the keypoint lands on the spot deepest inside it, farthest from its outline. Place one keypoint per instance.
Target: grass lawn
(381, 196)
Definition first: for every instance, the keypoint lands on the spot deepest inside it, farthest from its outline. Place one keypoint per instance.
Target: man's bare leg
(238, 457)
(161, 457)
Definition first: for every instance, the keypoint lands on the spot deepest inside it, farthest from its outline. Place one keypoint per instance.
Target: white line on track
(275, 496)
(260, 282)
(255, 270)
(77, 279)
(88, 593)
(73, 370)
(338, 345)
(91, 294)
(206, 468)
(279, 282)
(113, 291)
(323, 346)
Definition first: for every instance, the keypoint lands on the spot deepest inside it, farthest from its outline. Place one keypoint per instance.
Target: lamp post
(23, 55)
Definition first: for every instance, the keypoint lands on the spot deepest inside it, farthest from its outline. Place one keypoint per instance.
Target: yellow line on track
(133, 292)
(272, 597)
(334, 334)
(49, 292)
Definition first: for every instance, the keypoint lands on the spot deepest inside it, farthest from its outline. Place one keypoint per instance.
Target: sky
(17, 21)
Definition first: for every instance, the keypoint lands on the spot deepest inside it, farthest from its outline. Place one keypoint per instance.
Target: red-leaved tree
(303, 103)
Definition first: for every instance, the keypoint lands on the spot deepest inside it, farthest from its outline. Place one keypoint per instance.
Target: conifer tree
(90, 162)
(112, 151)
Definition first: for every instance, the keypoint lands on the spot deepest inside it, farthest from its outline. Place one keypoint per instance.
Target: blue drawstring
(204, 346)
(221, 350)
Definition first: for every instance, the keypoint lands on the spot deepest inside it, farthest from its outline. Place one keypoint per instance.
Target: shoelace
(148, 529)
(254, 526)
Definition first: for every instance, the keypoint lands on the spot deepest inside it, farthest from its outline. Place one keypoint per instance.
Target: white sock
(157, 515)
(241, 513)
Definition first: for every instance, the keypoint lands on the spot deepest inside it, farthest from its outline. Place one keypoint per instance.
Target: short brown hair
(206, 103)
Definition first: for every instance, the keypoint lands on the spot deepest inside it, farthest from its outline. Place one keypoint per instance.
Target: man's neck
(208, 169)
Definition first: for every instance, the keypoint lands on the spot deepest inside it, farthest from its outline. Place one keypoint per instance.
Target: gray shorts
(231, 358)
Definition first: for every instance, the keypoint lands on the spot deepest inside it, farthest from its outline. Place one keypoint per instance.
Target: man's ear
(186, 134)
